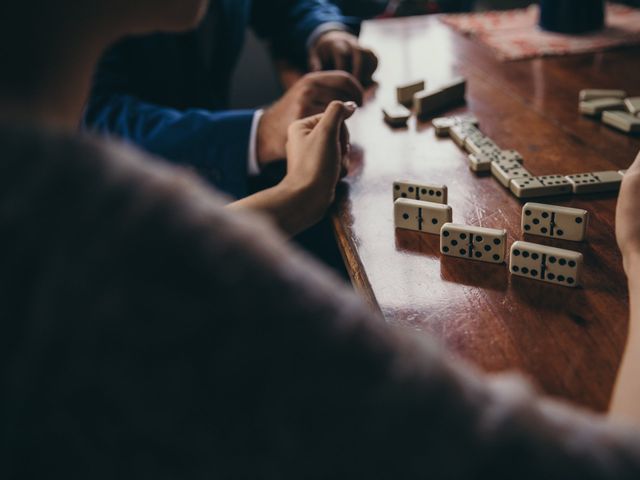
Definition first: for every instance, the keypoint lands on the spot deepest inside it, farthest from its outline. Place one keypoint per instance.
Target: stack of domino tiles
(421, 207)
(613, 107)
(424, 101)
(507, 166)
(545, 263)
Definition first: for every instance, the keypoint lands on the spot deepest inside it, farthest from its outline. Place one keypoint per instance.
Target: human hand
(317, 155)
(627, 218)
(339, 50)
(309, 96)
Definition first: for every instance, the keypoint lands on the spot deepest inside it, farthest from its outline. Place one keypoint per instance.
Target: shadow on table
(553, 299)
(418, 243)
(474, 274)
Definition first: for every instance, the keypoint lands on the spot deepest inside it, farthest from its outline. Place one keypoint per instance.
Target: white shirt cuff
(322, 29)
(253, 167)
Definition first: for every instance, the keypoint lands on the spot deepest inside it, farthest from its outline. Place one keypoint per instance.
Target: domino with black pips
(396, 115)
(459, 133)
(480, 144)
(405, 92)
(420, 191)
(506, 171)
(543, 186)
(418, 216)
(595, 182)
(479, 163)
(442, 125)
(507, 156)
(473, 243)
(546, 264)
(554, 221)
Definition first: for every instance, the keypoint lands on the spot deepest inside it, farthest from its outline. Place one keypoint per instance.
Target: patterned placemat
(515, 35)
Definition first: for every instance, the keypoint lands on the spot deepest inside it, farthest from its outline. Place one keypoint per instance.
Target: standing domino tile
(475, 243)
(548, 264)
(595, 182)
(594, 108)
(633, 105)
(442, 125)
(555, 222)
(540, 186)
(621, 121)
(428, 102)
(505, 171)
(419, 191)
(405, 93)
(459, 133)
(427, 217)
(396, 115)
(593, 94)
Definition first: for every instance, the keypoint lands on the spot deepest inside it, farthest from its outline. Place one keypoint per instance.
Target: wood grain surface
(569, 341)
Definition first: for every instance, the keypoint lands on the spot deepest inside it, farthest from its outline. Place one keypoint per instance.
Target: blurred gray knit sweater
(147, 332)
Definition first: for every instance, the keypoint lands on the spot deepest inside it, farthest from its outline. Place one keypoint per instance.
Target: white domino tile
(505, 172)
(428, 102)
(405, 92)
(427, 217)
(554, 221)
(396, 115)
(442, 125)
(459, 133)
(473, 243)
(594, 108)
(622, 121)
(633, 105)
(420, 191)
(546, 185)
(595, 182)
(597, 94)
(547, 264)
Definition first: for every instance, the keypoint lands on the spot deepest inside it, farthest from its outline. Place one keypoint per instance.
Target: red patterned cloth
(515, 35)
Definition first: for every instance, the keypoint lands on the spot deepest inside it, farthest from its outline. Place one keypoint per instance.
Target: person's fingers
(339, 81)
(356, 62)
(321, 97)
(341, 52)
(369, 66)
(334, 116)
(345, 139)
(330, 119)
(315, 64)
(635, 166)
(304, 126)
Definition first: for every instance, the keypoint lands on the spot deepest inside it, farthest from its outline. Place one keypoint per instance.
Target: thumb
(335, 114)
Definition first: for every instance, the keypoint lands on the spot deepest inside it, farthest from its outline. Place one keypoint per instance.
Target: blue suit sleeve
(288, 24)
(215, 144)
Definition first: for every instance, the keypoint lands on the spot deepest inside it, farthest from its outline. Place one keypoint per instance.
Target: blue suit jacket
(160, 92)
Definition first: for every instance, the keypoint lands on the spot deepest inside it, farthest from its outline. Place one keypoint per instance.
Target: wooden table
(567, 340)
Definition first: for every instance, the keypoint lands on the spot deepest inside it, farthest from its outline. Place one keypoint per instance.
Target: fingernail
(353, 106)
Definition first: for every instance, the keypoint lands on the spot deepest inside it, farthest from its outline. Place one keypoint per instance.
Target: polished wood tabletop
(568, 341)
